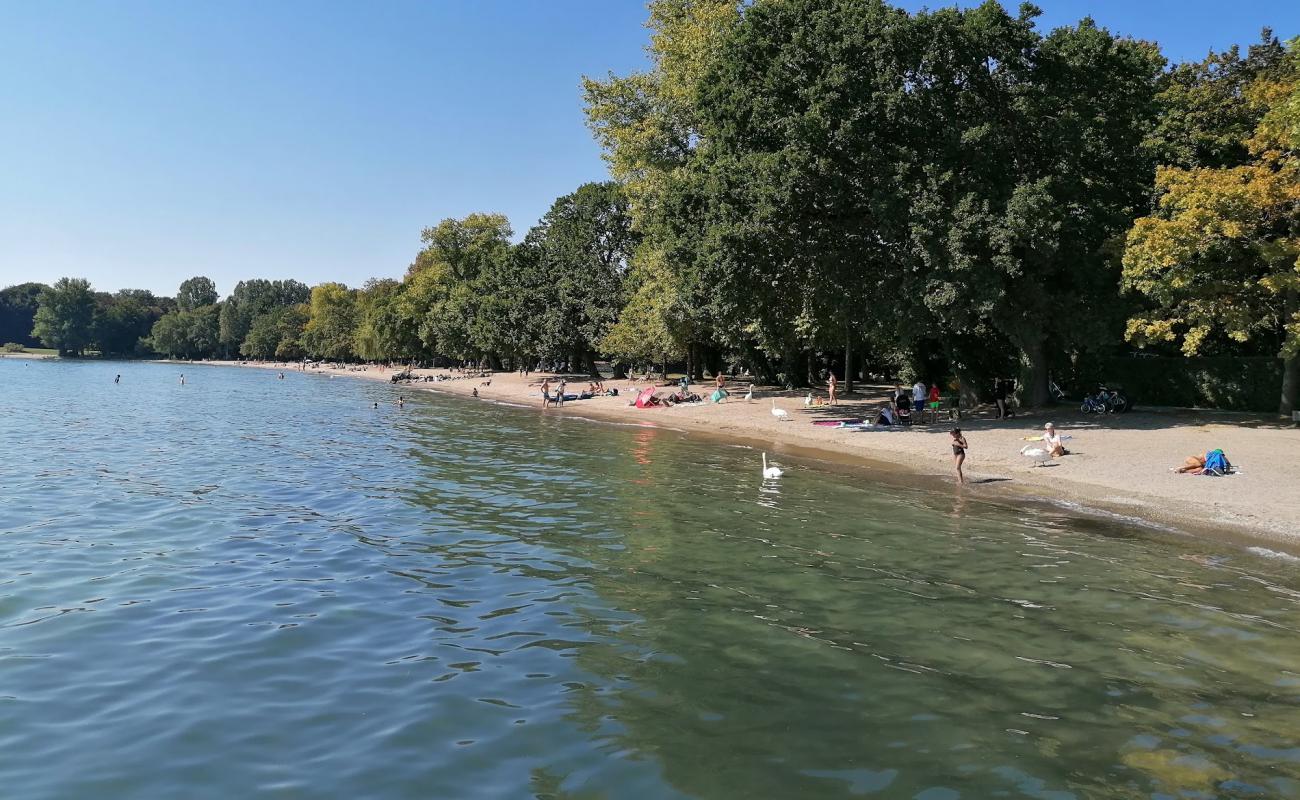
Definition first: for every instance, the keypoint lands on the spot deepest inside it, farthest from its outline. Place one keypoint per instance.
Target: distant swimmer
(474, 393)
(376, 405)
(182, 379)
(281, 376)
(118, 379)
(401, 401)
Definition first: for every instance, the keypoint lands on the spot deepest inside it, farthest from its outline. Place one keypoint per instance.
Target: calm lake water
(247, 587)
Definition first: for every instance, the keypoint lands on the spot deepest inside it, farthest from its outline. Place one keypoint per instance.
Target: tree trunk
(848, 363)
(1290, 366)
(1290, 385)
(1033, 357)
(619, 369)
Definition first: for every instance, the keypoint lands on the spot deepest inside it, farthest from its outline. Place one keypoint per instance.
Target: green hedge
(1239, 384)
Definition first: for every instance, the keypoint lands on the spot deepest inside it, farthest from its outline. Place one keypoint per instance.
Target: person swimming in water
(182, 379)
(118, 379)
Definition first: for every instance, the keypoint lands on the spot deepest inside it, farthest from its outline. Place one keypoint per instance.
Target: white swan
(770, 472)
(749, 396)
(780, 413)
(1036, 454)
(807, 401)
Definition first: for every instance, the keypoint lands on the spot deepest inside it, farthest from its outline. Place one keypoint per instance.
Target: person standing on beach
(959, 448)
(546, 392)
(918, 396)
(1000, 398)
(721, 381)
(831, 386)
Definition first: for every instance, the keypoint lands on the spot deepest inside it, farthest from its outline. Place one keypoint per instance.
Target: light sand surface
(1118, 463)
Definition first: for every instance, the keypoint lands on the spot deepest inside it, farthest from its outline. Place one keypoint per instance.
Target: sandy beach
(1118, 463)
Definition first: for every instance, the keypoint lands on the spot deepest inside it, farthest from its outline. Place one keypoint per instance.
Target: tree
(380, 334)
(331, 322)
(64, 316)
(122, 320)
(1032, 166)
(251, 299)
(277, 334)
(447, 282)
(18, 306)
(1221, 253)
(195, 293)
(573, 266)
(1205, 117)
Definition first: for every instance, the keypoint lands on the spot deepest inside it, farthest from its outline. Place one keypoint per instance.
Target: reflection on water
(224, 589)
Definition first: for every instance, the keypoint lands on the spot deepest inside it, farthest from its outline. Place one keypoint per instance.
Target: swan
(1036, 454)
(770, 472)
(749, 395)
(807, 401)
(780, 413)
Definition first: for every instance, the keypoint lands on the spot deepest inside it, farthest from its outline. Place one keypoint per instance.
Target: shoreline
(1259, 506)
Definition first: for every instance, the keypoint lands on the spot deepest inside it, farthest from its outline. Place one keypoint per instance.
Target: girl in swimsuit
(959, 447)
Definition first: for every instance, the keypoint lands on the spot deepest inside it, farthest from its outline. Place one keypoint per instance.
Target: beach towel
(837, 423)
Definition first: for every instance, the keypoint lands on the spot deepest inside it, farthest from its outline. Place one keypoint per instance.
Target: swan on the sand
(779, 413)
(749, 395)
(1036, 454)
(770, 472)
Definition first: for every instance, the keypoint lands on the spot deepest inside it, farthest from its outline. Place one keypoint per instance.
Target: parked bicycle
(1106, 401)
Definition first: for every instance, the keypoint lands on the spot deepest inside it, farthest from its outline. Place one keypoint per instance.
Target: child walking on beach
(959, 448)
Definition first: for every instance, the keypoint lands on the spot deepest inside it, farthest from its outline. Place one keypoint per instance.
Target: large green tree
(574, 264)
(250, 300)
(123, 319)
(18, 306)
(196, 292)
(331, 322)
(64, 316)
(1031, 168)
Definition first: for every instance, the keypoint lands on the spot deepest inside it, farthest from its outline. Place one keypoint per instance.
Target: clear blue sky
(142, 142)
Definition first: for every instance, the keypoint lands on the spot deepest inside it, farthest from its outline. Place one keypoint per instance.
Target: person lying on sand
(1192, 464)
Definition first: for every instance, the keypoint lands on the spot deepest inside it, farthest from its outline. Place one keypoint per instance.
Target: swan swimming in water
(770, 472)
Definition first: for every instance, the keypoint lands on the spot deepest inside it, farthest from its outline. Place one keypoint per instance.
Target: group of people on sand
(1052, 439)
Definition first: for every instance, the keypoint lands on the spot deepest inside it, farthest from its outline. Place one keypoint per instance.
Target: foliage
(18, 312)
(330, 322)
(277, 333)
(1221, 253)
(64, 316)
(195, 293)
(252, 299)
(13, 347)
(186, 334)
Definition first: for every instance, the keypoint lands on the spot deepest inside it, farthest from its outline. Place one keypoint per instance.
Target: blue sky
(142, 142)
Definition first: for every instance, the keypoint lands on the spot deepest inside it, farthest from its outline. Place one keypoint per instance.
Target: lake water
(247, 587)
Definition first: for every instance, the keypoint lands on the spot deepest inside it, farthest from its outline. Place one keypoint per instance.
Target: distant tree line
(837, 185)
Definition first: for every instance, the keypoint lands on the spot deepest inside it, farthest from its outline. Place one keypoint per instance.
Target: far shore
(1118, 463)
